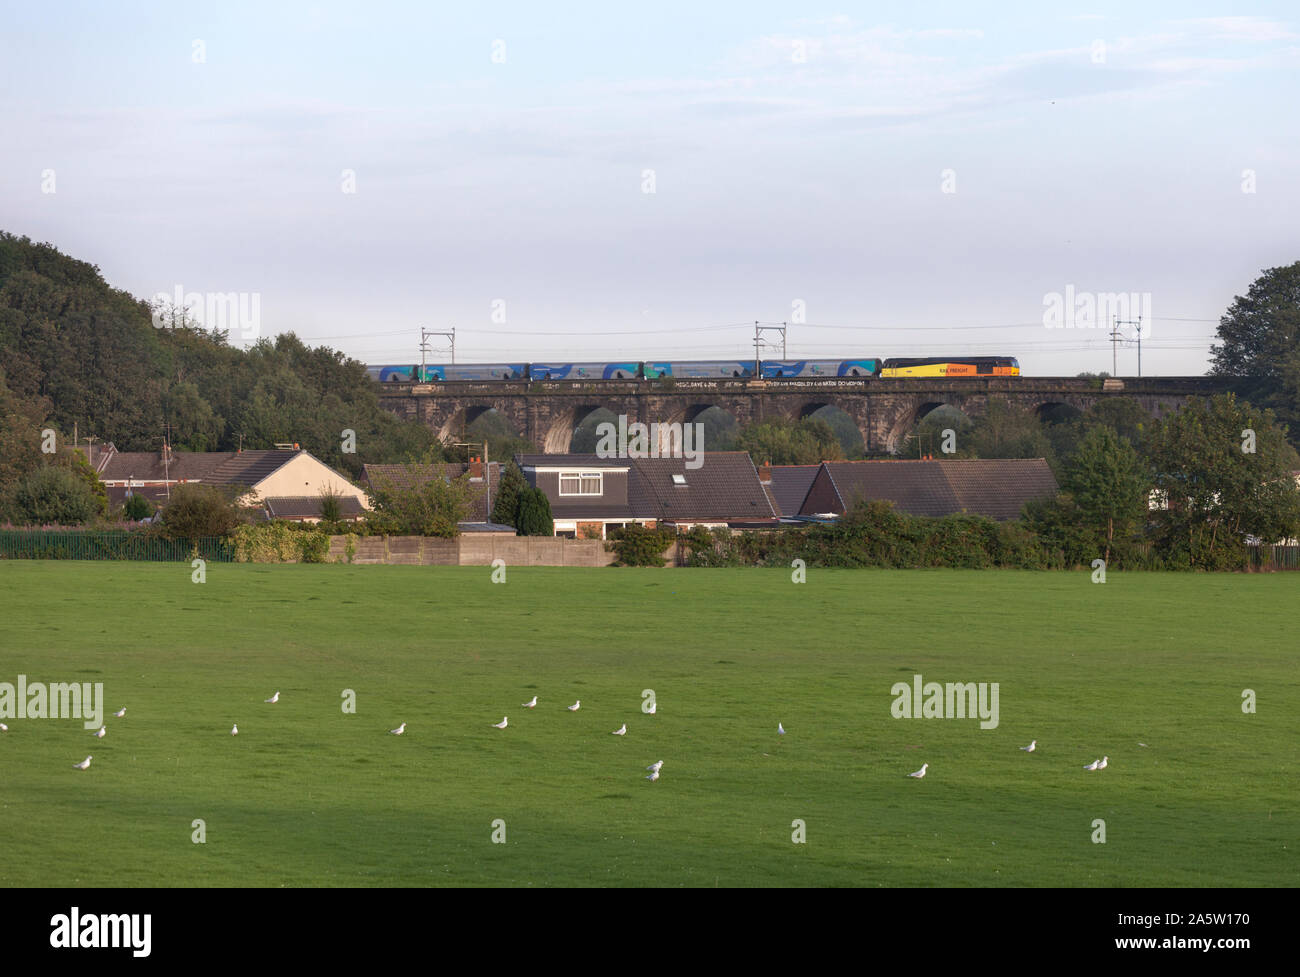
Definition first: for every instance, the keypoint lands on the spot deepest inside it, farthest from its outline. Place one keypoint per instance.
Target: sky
(598, 181)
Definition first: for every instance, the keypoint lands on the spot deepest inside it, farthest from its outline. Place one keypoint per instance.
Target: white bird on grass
(621, 731)
(234, 730)
(920, 773)
(101, 732)
(574, 707)
(656, 766)
(1033, 745)
(1095, 765)
(120, 713)
(399, 730)
(3, 728)
(502, 724)
(83, 764)
(274, 698)
(1105, 761)
(653, 776)
(530, 705)
(780, 729)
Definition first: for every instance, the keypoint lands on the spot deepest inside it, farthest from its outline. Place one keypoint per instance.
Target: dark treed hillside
(90, 355)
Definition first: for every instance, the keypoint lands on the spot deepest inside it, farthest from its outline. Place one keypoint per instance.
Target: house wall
(306, 475)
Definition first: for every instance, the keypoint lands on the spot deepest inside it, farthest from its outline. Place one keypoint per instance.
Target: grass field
(308, 795)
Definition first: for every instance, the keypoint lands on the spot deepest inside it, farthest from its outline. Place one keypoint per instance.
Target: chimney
(475, 468)
(765, 472)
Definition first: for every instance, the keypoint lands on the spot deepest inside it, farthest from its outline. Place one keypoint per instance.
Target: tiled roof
(724, 488)
(993, 487)
(789, 486)
(215, 467)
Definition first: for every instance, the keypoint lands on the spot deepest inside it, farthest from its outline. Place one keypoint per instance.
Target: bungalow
(590, 495)
(287, 483)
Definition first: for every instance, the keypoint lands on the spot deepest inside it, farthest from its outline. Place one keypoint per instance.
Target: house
(590, 495)
(484, 482)
(993, 487)
(287, 483)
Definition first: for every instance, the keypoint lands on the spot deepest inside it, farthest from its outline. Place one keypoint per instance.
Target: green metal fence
(36, 544)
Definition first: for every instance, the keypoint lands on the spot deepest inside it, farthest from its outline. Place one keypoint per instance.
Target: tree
(533, 517)
(507, 500)
(1224, 470)
(1108, 485)
(195, 510)
(137, 507)
(434, 507)
(54, 495)
(808, 442)
(1260, 346)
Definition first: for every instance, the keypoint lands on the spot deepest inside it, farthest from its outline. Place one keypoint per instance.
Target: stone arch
(558, 435)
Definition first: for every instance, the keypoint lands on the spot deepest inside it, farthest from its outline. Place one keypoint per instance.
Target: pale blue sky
(798, 155)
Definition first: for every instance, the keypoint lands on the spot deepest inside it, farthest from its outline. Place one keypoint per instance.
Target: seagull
(1033, 745)
(574, 707)
(1104, 761)
(530, 705)
(274, 698)
(1096, 764)
(120, 713)
(653, 776)
(780, 729)
(920, 773)
(100, 734)
(502, 724)
(399, 730)
(655, 766)
(3, 728)
(622, 730)
(234, 730)
(83, 764)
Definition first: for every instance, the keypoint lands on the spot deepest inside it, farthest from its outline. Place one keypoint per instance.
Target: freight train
(912, 367)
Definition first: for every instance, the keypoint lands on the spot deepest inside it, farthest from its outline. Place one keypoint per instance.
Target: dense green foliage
(533, 515)
(638, 546)
(196, 509)
(52, 495)
(807, 442)
(280, 542)
(506, 504)
(434, 507)
(1260, 346)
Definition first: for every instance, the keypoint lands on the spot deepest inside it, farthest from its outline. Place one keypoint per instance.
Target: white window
(581, 483)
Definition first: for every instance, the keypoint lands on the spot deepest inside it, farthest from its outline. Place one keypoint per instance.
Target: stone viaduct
(547, 413)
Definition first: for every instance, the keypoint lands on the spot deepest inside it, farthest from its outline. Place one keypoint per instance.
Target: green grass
(309, 796)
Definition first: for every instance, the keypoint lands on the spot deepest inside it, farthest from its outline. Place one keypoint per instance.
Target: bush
(281, 542)
(433, 508)
(201, 510)
(637, 546)
(53, 495)
(137, 507)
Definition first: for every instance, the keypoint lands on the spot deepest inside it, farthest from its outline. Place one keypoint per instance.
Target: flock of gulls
(1101, 764)
(654, 768)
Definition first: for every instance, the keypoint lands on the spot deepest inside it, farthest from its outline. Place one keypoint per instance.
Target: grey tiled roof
(790, 485)
(724, 488)
(307, 507)
(997, 488)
